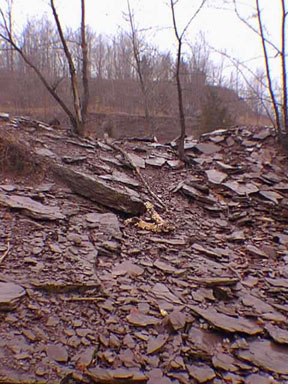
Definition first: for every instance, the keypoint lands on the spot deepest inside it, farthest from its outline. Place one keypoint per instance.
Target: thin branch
(284, 73)
(235, 62)
(267, 68)
(116, 147)
(254, 29)
(192, 18)
(2, 258)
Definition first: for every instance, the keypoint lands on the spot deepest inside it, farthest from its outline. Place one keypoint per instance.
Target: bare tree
(140, 65)
(280, 108)
(180, 37)
(78, 116)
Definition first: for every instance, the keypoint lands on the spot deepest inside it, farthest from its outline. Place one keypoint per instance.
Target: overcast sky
(221, 27)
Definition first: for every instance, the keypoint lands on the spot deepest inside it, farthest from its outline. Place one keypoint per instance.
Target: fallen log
(123, 200)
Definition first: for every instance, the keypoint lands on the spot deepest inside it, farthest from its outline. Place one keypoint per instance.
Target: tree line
(126, 71)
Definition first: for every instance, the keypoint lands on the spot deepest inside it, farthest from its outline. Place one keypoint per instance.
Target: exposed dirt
(193, 293)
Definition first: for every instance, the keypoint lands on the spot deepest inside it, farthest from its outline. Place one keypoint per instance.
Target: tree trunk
(85, 65)
(180, 105)
(284, 68)
(78, 120)
(267, 68)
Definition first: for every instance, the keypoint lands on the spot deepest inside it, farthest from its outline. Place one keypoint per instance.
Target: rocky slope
(190, 287)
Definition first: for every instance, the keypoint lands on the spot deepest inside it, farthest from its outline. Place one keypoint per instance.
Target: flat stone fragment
(263, 134)
(121, 178)
(197, 195)
(57, 352)
(175, 164)
(236, 236)
(85, 358)
(127, 267)
(256, 251)
(259, 379)
(278, 335)
(282, 283)
(227, 323)
(46, 153)
(155, 344)
(270, 195)
(227, 167)
(215, 177)
(208, 148)
(10, 294)
(98, 190)
(137, 161)
(4, 116)
(258, 305)
(165, 267)
(31, 207)
(241, 189)
(225, 362)
(177, 320)
(107, 223)
(203, 343)
(162, 292)
(201, 373)
(156, 161)
(113, 376)
(214, 281)
(267, 355)
(8, 187)
(141, 320)
(207, 251)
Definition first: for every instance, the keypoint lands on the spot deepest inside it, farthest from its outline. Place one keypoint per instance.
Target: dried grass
(16, 158)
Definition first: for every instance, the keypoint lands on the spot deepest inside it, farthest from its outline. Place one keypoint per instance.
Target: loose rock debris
(85, 298)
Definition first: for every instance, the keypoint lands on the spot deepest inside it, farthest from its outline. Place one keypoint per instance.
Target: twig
(5, 253)
(84, 299)
(109, 142)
